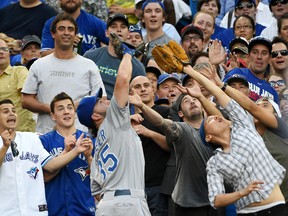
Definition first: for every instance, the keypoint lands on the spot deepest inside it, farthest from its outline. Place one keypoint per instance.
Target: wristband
(224, 86)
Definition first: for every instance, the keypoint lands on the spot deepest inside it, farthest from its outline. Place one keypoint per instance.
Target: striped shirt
(247, 161)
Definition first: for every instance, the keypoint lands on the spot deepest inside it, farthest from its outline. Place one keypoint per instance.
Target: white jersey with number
(22, 191)
(118, 161)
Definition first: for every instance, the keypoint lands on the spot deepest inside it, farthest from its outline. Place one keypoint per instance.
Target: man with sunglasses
(21, 181)
(278, 8)
(259, 53)
(279, 60)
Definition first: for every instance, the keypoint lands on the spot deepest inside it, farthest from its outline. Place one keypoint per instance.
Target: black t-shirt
(155, 157)
(17, 22)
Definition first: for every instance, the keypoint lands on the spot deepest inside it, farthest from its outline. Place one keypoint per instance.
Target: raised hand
(69, 143)
(217, 53)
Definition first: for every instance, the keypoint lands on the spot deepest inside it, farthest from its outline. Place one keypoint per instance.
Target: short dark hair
(63, 17)
(279, 40)
(251, 20)
(280, 21)
(6, 101)
(59, 97)
(201, 2)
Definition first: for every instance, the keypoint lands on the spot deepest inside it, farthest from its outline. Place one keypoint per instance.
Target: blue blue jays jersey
(90, 27)
(69, 192)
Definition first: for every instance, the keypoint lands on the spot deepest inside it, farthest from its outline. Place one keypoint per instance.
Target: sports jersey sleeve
(47, 40)
(117, 116)
(43, 154)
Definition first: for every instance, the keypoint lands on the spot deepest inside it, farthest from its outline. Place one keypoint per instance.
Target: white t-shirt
(49, 76)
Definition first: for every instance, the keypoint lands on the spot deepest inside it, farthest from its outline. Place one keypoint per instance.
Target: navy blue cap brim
(85, 109)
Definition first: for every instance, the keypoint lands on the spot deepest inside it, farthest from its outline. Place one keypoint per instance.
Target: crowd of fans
(59, 58)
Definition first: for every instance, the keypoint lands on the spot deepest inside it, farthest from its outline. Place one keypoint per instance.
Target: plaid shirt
(248, 160)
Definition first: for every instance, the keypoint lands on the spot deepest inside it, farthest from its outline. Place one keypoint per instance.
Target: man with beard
(190, 193)
(91, 28)
(192, 40)
(61, 71)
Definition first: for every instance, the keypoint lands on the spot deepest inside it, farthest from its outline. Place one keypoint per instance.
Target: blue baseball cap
(135, 28)
(163, 77)
(238, 77)
(85, 109)
(152, 1)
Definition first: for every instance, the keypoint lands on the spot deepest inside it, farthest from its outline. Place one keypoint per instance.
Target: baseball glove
(120, 47)
(171, 57)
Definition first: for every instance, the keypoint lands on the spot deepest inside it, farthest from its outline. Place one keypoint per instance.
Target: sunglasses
(282, 52)
(278, 82)
(4, 49)
(249, 5)
(274, 3)
(284, 97)
(14, 149)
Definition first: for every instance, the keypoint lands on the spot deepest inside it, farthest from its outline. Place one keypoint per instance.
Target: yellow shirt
(11, 83)
(125, 4)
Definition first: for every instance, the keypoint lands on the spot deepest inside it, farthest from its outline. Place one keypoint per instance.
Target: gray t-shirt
(191, 189)
(49, 76)
(164, 39)
(276, 141)
(118, 161)
(108, 66)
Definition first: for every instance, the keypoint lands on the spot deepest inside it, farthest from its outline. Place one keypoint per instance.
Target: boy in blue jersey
(71, 184)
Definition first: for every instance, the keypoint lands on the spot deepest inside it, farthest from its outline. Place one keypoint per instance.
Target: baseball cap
(85, 109)
(237, 78)
(237, 2)
(260, 40)
(30, 39)
(272, 102)
(117, 17)
(154, 70)
(185, 79)
(163, 77)
(191, 29)
(153, 1)
(135, 28)
(239, 42)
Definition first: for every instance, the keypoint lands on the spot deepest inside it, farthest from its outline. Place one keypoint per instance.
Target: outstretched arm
(221, 97)
(264, 117)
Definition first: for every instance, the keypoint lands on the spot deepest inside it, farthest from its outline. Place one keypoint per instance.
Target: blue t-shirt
(227, 35)
(68, 193)
(258, 87)
(90, 27)
(218, 29)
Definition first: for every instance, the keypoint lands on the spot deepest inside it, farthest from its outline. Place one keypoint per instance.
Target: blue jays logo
(33, 172)
(83, 172)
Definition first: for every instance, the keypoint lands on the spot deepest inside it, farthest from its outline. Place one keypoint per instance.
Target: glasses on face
(4, 49)
(278, 83)
(189, 38)
(282, 52)
(284, 97)
(14, 149)
(245, 27)
(243, 5)
(274, 3)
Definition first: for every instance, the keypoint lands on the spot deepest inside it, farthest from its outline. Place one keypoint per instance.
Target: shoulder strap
(229, 18)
